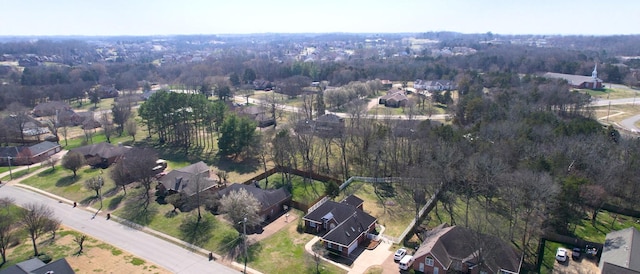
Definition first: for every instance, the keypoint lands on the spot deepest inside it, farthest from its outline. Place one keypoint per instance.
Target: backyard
(391, 208)
(300, 191)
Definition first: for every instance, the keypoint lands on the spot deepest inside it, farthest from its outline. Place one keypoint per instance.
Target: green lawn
(60, 181)
(104, 104)
(393, 210)
(283, 252)
(301, 191)
(610, 93)
(17, 173)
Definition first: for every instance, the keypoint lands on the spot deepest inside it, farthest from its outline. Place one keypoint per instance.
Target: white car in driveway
(561, 254)
(399, 254)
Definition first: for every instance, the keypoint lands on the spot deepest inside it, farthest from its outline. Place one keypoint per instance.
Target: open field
(97, 256)
(617, 92)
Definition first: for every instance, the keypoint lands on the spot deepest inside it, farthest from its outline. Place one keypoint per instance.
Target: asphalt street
(160, 252)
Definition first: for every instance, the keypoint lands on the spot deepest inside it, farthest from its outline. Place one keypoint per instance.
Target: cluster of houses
(397, 97)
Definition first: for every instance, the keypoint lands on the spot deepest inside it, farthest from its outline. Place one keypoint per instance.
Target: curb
(188, 246)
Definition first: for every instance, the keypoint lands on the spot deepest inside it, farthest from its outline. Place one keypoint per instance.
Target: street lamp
(244, 237)
(10, 174)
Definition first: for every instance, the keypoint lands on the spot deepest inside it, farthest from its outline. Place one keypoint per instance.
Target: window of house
(428, 261)
(312, 224)
(457, 266)
(328, 245)
(339, 248)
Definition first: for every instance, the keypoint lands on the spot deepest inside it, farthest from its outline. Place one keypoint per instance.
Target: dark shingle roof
(266, 197)
(183, 179)
(42, 147)
(350, 229)
(446, 243)
(60, 266)
(352, 200)
(24, 267)
(102, 150)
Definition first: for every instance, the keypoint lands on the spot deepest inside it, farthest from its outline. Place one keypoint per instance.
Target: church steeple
(594, 74)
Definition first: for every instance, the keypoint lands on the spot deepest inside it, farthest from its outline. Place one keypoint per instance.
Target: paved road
(630, 123)
(162, 253)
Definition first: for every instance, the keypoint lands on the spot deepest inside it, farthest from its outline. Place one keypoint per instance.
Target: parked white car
(561, 254)
(399, 254)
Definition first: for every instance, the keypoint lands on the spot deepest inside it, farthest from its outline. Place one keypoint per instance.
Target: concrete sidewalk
(61, 200)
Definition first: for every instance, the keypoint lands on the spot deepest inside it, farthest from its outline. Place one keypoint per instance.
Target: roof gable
(266, 197)
(448, 243)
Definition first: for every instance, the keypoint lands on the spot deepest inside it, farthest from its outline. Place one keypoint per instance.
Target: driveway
(162, 253)
(379, 256)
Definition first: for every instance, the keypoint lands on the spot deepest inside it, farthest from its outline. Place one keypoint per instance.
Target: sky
(172, 17)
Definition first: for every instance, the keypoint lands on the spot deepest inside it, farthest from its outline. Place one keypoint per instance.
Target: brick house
(448, 249)
(345, 225)
(272, 201)
(101, 154)
(26, 155)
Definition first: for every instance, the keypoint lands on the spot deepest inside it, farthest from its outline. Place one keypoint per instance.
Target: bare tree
(73, 161)
(38, 219)
(107, 126)
(132, 128)
(240, 204)
(137, 165)
(7, 228)
(51, 161)
(95, 184)
(79, 239)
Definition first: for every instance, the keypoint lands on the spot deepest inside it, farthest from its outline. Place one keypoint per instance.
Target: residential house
(261, 84)
(188, 180)
(36, 266)
(448, 249)
(434, 85)
(257, 114)
(386, 83)
(620, 252)
(50, 108)
(327, 125)
(394, 98)
(26, 155)
(106, 92)
(272, 201)
(101, 154)
(345, 223)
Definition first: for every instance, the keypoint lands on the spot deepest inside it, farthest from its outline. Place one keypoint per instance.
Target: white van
(406, 262)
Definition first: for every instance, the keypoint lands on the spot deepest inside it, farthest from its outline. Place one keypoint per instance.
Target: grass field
(610, 93)
(301, 191)
(284, 252)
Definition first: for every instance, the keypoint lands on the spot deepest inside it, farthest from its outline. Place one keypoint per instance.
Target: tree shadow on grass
(245, 166)
(136, 212)
(171, 214)
(89, 200)
(115, 202)
(194, 232)
(67, 181)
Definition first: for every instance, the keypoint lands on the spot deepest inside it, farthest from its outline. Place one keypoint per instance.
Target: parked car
(399, 254)
(591, 250)
(406, 262)
(561, 254)
(575, 253)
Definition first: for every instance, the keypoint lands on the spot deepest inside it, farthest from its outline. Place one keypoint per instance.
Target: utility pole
(244, 237)
(10, 174)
